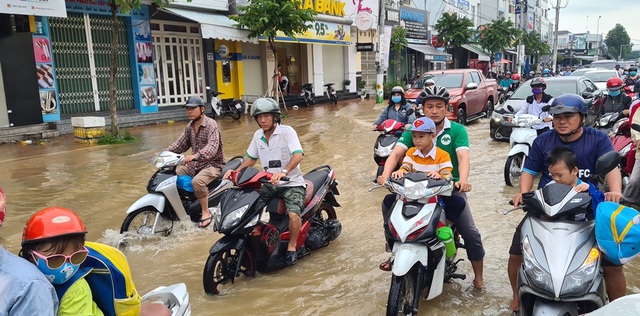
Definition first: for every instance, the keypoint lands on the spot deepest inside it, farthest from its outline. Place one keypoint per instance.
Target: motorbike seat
(313, 181)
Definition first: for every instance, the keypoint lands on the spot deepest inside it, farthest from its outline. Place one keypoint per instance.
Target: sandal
(200, 222)
(386, 265)
(291, 258)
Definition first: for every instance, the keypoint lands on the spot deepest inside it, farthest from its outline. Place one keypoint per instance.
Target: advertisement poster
(321, 32)
(55, 8)
(148, 94)
(45, 71)
(142, 31)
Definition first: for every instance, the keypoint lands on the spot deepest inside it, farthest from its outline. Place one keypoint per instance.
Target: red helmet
(614, 84)
(515, 77)
(52, 222)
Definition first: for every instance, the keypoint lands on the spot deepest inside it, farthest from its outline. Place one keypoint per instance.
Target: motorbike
(561, 273)
(505, 94)
(251, 242)
(623, 145)
(307, 94)
(421, 260)
(233, 108)
(168, 201)
(390, 131)
(331, 93)
(520, 141)
(606, 121)
(175, 297)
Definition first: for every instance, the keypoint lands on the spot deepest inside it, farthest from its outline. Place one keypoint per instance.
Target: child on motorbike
(53, 239)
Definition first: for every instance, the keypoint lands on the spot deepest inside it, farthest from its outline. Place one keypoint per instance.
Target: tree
(454, 32)
(635, 54)
(398, 45)
(496, 36)
(533, 45)
(559, 58)
(267, 17)
(617, 38)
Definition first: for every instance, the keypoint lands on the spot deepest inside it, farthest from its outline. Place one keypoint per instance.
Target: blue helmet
(423, 124)
(568, 103)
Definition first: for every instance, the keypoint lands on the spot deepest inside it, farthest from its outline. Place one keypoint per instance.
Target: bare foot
(515, 305)
(478, 284)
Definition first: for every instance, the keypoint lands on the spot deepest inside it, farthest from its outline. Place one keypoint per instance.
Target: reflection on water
(100, 182)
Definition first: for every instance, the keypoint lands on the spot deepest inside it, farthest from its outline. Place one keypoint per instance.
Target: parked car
(500, 128)
(582, 71)
(472, 95)
(606, 64)
(600, 77)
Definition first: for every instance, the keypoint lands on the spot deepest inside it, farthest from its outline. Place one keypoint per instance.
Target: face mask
(396, 99)
(536, 91)
(633, 73)
(59, 275)
(614, 93)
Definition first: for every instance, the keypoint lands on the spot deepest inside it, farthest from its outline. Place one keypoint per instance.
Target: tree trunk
(276, 83)
(113, 68)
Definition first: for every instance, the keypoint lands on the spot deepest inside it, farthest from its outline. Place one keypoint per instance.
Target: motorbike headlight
(158, 162)
(616, 126)
(383, 151)
(416, 190)
(603, 121)
(625, 150)
(496, 117)
(398, 188)
(232, 218)
(253, 222)
(539, 277)
(579, 281)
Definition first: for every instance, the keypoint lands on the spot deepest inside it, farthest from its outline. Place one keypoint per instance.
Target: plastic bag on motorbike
(617, 232)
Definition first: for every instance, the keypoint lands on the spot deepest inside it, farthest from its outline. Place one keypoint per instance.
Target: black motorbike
(331, 93)
(251, 243)
(307, 94)
(233, 108)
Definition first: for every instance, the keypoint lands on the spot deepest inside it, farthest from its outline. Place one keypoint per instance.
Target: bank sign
(320, 33)
(343, 8)
(33, 7)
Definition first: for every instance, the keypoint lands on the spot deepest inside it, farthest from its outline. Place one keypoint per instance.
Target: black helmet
(435, 92)
(539, 82)
(633, 68)
(194, 102)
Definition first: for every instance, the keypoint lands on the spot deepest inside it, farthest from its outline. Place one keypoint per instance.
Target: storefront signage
(415, 21)
(330, 7)
(223, 51)
(364, 47)
(100, 7)
(320, 33)
(45, 71)
(365, 21)
(39, 8)
(437, 57)
(392, 17)
(463, 4)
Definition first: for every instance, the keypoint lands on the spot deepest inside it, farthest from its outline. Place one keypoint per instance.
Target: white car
(600, 77)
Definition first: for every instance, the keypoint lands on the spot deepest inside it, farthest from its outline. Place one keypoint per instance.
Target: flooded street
(100, 182)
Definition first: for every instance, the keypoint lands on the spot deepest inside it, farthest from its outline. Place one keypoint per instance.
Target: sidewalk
(126, 118)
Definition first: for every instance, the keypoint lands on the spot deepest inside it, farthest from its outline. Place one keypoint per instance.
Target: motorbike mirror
(607, 162)
(587, 95)
(546, 108)
(510, 108)
(636, 127)
(409, 112)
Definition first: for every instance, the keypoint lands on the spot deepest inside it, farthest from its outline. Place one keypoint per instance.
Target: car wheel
(489, 108)
(462, 116)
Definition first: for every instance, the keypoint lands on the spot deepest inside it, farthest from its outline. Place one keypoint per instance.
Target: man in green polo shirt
(452, 138)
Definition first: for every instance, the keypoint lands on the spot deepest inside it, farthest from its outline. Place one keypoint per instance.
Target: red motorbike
(622, 143)
(390, 131)
(251, 243)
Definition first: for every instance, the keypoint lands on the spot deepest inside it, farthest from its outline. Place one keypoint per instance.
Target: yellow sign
(321, 33)
(330, 7)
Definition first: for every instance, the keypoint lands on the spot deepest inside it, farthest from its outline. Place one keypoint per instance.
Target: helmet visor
(560, 109)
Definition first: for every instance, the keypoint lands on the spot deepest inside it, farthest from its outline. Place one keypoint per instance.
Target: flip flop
(204, 220)
(385, 265)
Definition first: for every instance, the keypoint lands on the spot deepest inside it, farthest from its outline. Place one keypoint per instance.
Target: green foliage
(362, 84)
(534, 46)
(386, 88)
(110, 139)
(126, 6)
(497, 35)
(454, 31)
(635, 54)
(559, 58)
(398, 44)
(617, 37)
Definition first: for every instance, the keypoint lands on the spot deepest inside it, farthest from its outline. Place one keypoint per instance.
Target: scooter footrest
(458, 276)
(460, 245)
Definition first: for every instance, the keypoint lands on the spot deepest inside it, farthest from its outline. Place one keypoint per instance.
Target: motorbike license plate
(238, 106)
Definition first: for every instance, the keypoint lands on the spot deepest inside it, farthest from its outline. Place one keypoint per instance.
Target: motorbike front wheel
(220, 269)
(141, 222)
(513, 169)
(402, 293)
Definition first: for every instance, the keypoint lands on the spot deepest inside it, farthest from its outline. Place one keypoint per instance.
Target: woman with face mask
(632, 77)
(398, 109)
(534, 103)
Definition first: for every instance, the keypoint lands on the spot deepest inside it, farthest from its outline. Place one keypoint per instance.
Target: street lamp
(620, 53)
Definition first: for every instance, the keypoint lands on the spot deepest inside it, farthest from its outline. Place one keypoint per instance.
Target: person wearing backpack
(23, 289)
(54, 240)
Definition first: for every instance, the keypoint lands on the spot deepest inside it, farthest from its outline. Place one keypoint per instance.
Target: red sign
(436, 41)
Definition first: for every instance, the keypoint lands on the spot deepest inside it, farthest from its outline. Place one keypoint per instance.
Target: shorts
(293, 196)
(516, 250)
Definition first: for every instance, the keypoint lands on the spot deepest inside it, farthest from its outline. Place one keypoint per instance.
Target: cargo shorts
(293, 196)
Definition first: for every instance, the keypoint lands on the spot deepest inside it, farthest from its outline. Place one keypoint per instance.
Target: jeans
(464, 223)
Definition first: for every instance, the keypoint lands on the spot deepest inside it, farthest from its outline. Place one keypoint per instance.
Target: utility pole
(598, 37)
(380, 55)
(555, 36)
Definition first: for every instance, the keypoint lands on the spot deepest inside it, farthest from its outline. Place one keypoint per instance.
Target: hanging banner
(30, 7)
(45, 71)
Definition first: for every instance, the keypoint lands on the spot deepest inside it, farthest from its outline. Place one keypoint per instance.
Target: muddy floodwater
(100, 182)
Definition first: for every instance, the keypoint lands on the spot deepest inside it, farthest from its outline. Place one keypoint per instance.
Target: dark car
(500, 128)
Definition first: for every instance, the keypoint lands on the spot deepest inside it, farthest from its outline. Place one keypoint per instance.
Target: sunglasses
(56, 261)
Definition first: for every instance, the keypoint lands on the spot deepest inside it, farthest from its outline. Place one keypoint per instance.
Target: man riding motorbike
(506, 82)
(205, 163)
(616, 101)
(534, 103)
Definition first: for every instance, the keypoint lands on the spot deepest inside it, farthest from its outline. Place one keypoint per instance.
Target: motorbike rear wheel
(220, 268)
(324, 214)
(234, 113)
(141, 222)
(512, 169)
(402, 292)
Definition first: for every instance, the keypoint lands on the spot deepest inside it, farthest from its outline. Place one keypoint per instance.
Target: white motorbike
(170, 198)
(174, 297)
(520, 142)
(420, 259)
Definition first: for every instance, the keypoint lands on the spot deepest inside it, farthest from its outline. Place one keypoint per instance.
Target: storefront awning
(214, 25)
(482, 56)
(430, 53)
(503, 61)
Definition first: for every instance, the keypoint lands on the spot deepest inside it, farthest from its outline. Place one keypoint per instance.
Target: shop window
(155, 27)
(175, 28)
(194, 30)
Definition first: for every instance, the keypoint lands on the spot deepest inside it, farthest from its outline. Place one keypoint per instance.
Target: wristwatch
(285, 171)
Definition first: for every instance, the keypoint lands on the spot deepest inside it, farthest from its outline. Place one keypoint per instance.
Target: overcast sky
(573, 18)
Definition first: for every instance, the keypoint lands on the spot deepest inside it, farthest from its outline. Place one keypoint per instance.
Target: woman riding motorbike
(398, 109)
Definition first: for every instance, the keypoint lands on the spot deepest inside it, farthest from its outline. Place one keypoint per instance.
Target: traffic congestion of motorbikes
(580, 225)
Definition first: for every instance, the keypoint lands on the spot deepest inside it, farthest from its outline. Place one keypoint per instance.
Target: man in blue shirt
(588, 144)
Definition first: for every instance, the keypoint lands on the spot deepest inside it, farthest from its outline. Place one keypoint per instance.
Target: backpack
(107, 271)
(617, 232)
